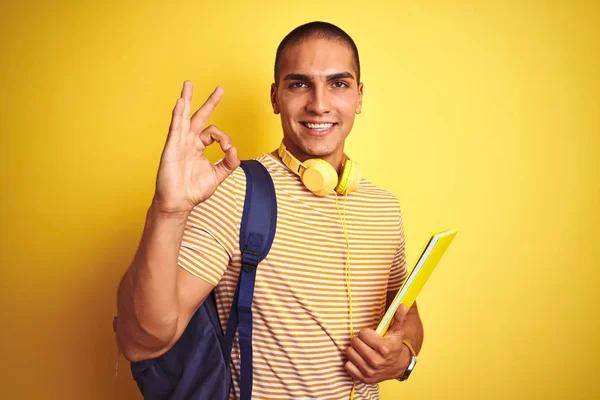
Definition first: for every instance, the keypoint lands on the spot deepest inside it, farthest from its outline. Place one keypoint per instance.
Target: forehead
(317, 57)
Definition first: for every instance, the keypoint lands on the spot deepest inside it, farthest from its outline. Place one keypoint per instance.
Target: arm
(156, 299)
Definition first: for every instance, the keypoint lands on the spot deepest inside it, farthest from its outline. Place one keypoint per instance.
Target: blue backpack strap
(257, 231)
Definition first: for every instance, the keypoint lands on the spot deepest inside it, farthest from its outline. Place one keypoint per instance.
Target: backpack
(197, 366)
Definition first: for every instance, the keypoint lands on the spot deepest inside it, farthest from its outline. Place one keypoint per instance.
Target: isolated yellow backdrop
(483, 117)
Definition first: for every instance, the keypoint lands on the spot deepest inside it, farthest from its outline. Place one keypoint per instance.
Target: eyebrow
(306, 78)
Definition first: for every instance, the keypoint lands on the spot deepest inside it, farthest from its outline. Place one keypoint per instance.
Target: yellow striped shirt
(301, 324)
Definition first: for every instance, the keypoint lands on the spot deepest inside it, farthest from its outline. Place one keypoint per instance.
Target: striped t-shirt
(301, 324)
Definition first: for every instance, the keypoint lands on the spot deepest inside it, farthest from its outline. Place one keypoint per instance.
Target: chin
(319, 150)
(316, 147)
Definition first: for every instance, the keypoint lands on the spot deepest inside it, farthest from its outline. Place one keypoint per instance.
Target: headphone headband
(290, 161)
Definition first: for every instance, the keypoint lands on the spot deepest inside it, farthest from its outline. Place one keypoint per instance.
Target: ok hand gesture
(185, 176)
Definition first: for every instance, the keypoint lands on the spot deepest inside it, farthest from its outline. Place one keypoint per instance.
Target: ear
(360, 97)
(274, 98)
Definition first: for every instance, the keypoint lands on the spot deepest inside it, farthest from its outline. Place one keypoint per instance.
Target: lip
(318, 132)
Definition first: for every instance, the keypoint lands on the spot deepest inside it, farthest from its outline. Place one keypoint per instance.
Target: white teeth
(318, 126)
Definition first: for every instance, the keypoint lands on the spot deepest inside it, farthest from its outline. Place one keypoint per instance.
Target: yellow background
(484, 116)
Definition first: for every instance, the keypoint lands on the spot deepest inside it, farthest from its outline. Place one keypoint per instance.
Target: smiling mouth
(318, 127)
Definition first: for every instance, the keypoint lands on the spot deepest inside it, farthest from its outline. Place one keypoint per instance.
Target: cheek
(291, 107)
(348, 107)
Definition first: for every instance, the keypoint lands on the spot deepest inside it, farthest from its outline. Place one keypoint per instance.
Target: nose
(319, 101)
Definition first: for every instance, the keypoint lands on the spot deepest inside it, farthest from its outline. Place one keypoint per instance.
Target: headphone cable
(342, 216)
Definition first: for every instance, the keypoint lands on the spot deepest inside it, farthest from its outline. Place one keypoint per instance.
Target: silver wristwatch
(409, 369)
(411, 364)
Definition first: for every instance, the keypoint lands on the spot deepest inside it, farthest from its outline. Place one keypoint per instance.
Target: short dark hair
(317, 30)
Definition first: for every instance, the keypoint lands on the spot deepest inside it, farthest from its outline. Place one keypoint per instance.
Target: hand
(185, 176)
(374, 359)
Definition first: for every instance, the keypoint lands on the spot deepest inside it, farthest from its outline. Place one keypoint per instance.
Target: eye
(297, 85)
(340, 84)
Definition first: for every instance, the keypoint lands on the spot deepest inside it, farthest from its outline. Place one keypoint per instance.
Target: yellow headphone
(319, 176)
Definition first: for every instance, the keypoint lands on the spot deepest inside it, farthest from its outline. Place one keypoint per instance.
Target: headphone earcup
(355, 177)
(350, 178)
(342, 185)
(319, 177)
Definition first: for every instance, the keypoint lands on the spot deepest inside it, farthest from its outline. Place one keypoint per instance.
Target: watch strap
(413, 361)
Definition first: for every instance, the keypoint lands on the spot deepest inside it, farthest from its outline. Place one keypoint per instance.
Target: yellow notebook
(408, 292)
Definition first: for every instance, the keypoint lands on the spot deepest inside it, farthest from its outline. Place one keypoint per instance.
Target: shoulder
(235, 183)
(273, 165)
(237, 179)
(378, 202)
(369, 192)
(227, 202)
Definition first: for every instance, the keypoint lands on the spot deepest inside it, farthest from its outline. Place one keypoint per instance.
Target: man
(336, 261)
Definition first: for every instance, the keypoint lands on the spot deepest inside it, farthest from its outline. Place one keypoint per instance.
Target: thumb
(397, 327)
(228, 164)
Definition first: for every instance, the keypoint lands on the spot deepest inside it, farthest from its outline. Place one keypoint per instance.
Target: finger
(201, 116)
(381, 345)
(231, 161)
(400, 315)
(176, 116)
(214, 134)
(227, 165)
(186, 95)
(397, 327)
(354, 372)
(370, 355)
(359, 361)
